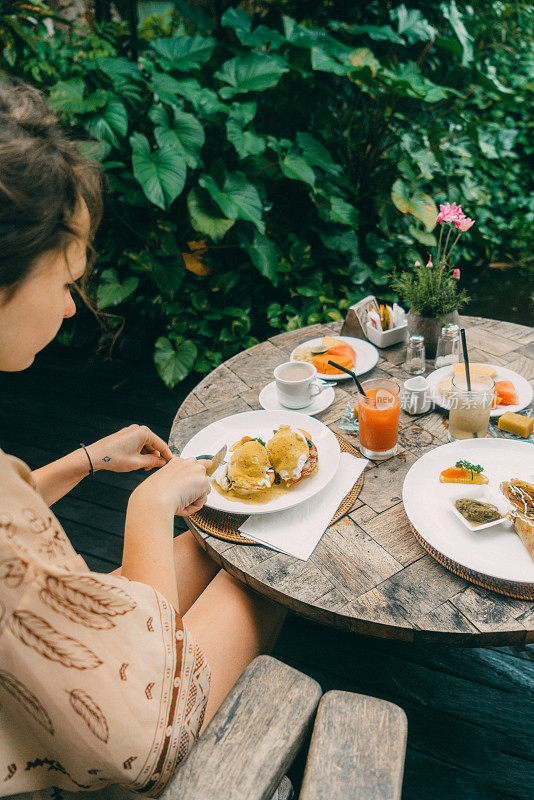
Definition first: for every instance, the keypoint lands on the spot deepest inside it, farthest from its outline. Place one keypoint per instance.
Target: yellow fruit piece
(329, 341)
(516, 423)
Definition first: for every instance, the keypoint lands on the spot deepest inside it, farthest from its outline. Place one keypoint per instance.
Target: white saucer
(269, 400)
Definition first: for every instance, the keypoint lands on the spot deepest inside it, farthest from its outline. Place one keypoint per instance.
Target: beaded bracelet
(91, 470)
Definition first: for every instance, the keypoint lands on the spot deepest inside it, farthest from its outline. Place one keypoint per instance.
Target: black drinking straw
(466, 359)
(351, 373)
(466, 362)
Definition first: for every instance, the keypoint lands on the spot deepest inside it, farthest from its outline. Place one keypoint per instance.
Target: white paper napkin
(297, 531)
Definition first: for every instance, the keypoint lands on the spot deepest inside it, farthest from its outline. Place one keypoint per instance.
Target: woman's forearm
(148, 546)
(56, 479)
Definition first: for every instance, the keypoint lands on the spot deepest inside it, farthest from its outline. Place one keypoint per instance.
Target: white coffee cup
(296, 383)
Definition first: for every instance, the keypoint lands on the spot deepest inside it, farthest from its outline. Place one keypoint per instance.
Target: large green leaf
(184, 132)
(241, 22)
(246, 143)
(419, 204)
(95, 151)
(408, 79)
(205, 216)
(301, 36)
(252, 72)
(119, 70)
(110, 123)
(343, 212)
(184, 53)
(237, 19)
(261, 37)
(295, 167)
(170, 90)
(426, 161)
(69, 96)
(161, 173)
(379, 33)
(428, 239)
(265, 256)
(111, 292)
(174, 363)
(450, 12)
(412, 24)
(238, 199)
(316, 154)
(322, 61)
(489, 79)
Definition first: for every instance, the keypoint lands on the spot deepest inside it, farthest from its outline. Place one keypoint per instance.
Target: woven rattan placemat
(521, 591)
(226, 526)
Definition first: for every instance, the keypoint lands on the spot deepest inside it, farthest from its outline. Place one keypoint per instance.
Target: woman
(103, 678)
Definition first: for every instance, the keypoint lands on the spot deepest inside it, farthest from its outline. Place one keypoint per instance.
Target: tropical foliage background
(265, 170)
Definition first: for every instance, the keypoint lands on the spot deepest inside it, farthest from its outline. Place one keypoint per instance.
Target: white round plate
(497, 551)
(263, 424)
(524, 390)
(366, 356)
(269, 400)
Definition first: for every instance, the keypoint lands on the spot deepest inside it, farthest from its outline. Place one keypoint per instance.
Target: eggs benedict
(292, 454)
(248, 470)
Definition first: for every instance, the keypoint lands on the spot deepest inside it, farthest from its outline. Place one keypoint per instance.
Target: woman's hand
(131, 448)
(181, 486)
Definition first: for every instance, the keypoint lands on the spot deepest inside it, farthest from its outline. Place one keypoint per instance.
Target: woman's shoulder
(13, 471)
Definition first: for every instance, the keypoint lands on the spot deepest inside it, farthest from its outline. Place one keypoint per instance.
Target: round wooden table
(368, 573)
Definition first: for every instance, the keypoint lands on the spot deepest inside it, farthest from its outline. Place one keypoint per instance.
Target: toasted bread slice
(475, 370)
(521, 495)
(524, 528)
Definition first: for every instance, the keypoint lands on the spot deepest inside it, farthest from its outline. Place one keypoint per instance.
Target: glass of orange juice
(378, 414)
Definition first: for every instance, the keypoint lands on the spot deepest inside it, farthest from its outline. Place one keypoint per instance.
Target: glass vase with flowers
(431, 290)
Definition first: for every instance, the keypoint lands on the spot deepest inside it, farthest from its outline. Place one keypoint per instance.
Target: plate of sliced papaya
(512, 391)
(355, 354)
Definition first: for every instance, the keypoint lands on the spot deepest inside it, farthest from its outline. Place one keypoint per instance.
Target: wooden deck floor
(470, 712)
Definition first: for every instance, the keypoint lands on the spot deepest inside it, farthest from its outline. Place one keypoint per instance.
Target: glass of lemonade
(470, 410)
(378, 415)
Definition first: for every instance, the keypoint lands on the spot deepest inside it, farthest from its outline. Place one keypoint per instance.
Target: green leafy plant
(21, 22)
(256, 165)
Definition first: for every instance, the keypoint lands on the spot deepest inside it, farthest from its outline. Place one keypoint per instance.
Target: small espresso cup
(296, 383)
(415, 396)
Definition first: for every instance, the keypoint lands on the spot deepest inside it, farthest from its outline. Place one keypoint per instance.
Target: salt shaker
(448, 351)
(415, 355)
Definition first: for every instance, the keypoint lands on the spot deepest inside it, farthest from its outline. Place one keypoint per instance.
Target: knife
(216, 460)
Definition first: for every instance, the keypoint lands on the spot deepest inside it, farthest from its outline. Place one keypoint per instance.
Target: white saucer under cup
(297, 384)
(268, 399)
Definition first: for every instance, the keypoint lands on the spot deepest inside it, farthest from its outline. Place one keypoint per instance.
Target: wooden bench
(356, 751)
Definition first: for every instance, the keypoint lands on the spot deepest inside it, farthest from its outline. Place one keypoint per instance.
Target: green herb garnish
(469, 467)
(257, 439)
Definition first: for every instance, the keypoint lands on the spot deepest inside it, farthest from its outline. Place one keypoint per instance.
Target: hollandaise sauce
(260, 498)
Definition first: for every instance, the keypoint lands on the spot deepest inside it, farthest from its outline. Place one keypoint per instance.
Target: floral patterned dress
(100, 682)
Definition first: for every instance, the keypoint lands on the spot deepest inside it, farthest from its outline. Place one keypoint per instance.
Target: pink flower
(463, 223)
(449, 213)
(456, 274)
(429, 265)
